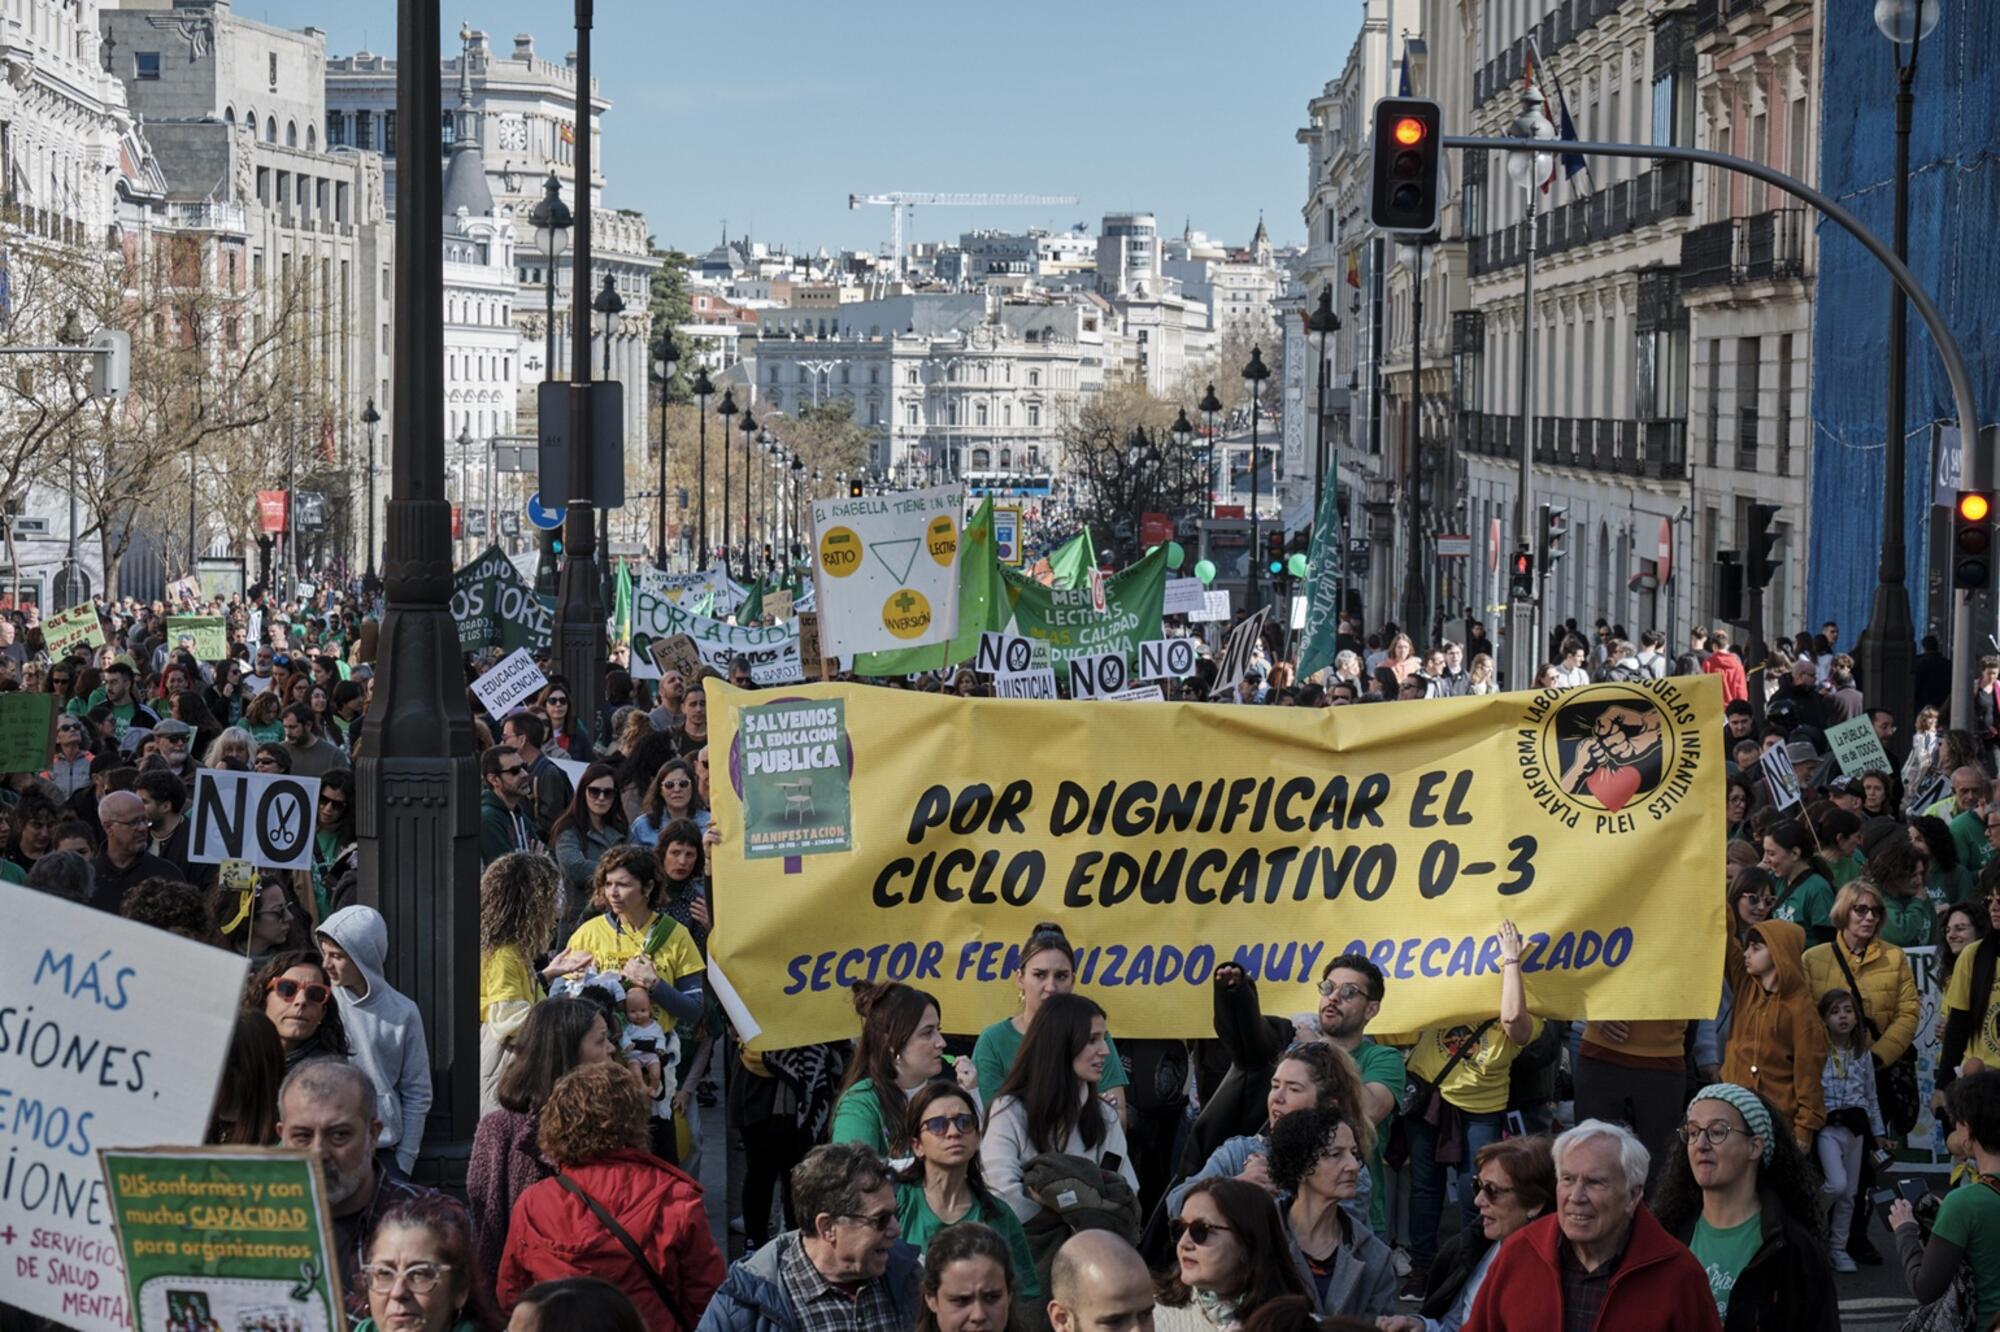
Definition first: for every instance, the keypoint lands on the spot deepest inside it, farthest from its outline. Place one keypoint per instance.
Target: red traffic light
(1410, 131)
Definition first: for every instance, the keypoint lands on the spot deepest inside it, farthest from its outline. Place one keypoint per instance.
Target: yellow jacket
(1888, 990)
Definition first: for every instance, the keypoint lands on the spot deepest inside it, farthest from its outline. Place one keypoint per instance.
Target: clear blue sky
(770, 115)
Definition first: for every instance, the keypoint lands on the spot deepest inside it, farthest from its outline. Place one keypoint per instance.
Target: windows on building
(146, 65)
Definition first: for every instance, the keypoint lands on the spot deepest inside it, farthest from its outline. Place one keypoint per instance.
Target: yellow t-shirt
(1984, 1044)
(506, 977)
(611, 945)
(1479, 1084)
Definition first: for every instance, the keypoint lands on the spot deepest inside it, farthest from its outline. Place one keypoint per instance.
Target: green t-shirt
(993, 1055)
(1968, 834)
(1723, 1254)
(857, 1117)
(1909, 921)
(1383, 1064)
(1846, 869)
(919, 1222)
(1809, 905)
(1969, 1217)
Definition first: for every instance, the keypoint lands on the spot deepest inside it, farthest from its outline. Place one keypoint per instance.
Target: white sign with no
(265, 818)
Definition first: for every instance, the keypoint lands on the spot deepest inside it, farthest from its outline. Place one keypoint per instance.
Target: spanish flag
(567, 131)
(1354, 269)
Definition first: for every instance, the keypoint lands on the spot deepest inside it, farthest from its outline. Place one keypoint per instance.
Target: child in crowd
(1853, 1117)
(644, 1046)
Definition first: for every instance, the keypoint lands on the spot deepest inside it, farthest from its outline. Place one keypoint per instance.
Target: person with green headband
(1739, 1193)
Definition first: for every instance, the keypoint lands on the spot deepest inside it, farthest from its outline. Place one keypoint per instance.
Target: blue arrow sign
(546, 519)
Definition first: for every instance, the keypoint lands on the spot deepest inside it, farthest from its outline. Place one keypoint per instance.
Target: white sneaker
(1841, 1262)
(1401, 1259)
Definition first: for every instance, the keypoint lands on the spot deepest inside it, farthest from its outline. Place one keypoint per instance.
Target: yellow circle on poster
(941, 539)
(907, 613)
(840, 551)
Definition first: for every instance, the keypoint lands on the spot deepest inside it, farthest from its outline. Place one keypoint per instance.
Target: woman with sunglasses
(336, 852)
(69, 768)
(269, 922)
(293, 991)
(671, 795)
(1514, 1183)
(1738, 1192)
(567, 737)
(592, 825)
(942, 1186)
(1879, 976)
(1229, 1259)
(1049, 1103)
(1317, 1161)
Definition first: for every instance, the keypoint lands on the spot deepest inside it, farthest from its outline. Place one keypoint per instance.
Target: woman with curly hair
(517, 920)
(293, 991)
(972, 1282)
(1317, 1160)
(1739, 1193)
(1227, 1241)
(594, 1132)
(232, 743)
(422, 1272)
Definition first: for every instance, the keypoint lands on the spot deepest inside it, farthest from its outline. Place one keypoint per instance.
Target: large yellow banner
(870, 833)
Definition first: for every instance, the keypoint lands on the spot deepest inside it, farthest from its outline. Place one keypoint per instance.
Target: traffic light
(1553, 533)
(1521, 576)
(1729, 586)
(1408, 165)
(1972, 541)
(110, 363)
(854, 488)
(1761, 567)
(1274, 553)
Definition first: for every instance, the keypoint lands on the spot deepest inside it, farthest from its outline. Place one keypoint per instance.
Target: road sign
(1454, 545)
(546, 519)
(1007, 535)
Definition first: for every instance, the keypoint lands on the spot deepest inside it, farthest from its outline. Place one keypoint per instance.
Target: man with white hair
(1601, 1261)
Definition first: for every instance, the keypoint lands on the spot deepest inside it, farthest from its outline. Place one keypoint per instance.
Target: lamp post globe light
(665, 365)
(703, 391)
(1210, 407)
(725, 410)
(1254, 375)
(552, 222)
(1886, 654)
(792, 517)
(1182, 433)
(370, 418)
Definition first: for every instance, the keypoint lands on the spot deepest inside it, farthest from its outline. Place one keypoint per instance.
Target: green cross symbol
(904, 602)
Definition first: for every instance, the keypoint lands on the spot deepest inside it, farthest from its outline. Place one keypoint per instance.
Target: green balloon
(1297, 565)
(1175, 555)
(1205, 571)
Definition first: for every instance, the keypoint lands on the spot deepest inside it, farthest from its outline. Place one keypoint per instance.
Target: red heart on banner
(1613, 786)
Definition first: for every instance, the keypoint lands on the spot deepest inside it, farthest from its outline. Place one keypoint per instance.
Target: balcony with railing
(1661, 194)
(1656, 449)
(1764, 247)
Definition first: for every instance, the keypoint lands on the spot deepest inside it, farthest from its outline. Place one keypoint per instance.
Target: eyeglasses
(1716, 1133)
(879, 1222)
(328, 802)
(557, 702)
(265, 761)
(421, 1278)
(937, 1125)
(1865, 909)
(287, 989)
(1485, 1189)
(1201, 1232)
(506, 771)
(600, 792)
(1344, 993)
(679, 784)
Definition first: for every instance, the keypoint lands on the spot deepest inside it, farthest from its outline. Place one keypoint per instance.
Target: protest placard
(1237, 653)
(1026, 684)
(1857, 746)
(208, 635)
(1184, 596)
(27, 731)
(224, 1237)
(1166, 659)
(771, 650)
(1071, 621)
(76, 627)
(1151, 693)
(1283, 839)
(794, 760)
(885, 569)
(676, 653)
(515, 678)
(495, 607)
(1780, 778)
(264, 819)
(1006, 654)
(812, 663)
(1215, 606)
(155, 1013)
(1098, 675)
(778, 604)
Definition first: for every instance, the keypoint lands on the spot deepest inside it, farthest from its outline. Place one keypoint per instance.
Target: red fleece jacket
(1658, 1287)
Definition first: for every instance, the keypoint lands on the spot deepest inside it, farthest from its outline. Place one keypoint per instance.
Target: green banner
(27, 731)
(1316, 647)
(76, 627)
(496, 607)
(208, 633)
(982, 607)
(1068, 620)
(796, 762)
(1071, 562)
(223, 1238)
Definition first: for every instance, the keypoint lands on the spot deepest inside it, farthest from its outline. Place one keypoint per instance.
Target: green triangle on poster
(897, 548)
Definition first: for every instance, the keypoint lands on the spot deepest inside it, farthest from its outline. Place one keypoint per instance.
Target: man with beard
(1350, 996)
(326, 1108)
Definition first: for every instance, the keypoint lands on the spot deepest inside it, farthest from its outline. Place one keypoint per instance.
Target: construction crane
(900, 202)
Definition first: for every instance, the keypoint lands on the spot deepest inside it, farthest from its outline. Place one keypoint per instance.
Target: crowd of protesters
(1289, 1171)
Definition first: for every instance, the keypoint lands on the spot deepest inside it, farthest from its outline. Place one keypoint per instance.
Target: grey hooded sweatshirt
(384, 1031)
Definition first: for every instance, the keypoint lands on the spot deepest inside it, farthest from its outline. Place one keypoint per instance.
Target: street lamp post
(665, 365)
(291, 498)
(1254, 375)
(371, 418)
(1416, 611)
(1210, 407)
(792, 514)
(464, 442)
(1527, 171)
(702, 390)
(748, 425)
(1887, 650)
(552, 221)
(1182, 433)
(727, 409)
(609, 304)
(1321, 321)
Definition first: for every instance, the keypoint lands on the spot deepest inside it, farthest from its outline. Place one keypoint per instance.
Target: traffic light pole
(1979, 463)
(1416, 612)
(1525, 634)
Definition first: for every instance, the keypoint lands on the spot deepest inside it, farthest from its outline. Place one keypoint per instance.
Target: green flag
(621, 614)
(982, 607)
(1072, 627)
(1072, 561)
(1316, 649)
(752, 609)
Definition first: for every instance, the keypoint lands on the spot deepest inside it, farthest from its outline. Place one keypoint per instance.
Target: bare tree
(1122, 461)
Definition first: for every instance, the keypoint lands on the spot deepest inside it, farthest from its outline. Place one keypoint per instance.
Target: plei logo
(1608, 751)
